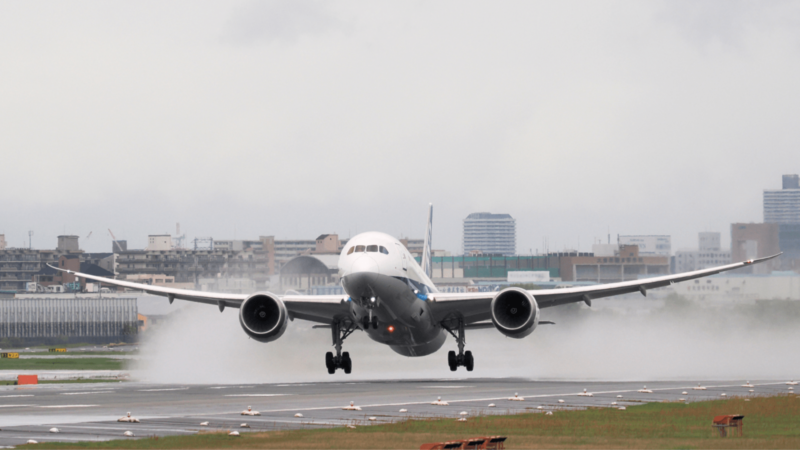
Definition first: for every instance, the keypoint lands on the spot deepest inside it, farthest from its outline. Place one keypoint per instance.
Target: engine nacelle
(515, 312)
(263, 317)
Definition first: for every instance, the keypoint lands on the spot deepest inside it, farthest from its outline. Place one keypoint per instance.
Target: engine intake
(263, 317)
(515, 312)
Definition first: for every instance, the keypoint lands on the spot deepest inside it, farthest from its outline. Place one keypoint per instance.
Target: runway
(89, 411)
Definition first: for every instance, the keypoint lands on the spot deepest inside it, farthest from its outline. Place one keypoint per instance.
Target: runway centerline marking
(69, 406)
(169, 389)
(9, 396)
(86, 393)
(257, 395)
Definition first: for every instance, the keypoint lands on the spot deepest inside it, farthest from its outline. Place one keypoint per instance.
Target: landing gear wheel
(461, 358)
(340, 331)
(347, 364)
(375, 322)
(329, 363)
(365, 323)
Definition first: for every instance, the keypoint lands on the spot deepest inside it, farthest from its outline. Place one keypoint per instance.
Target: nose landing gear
(463, 358)
(340, 331)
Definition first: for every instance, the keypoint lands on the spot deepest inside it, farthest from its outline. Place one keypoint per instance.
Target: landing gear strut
(340, 331)
(462, 358)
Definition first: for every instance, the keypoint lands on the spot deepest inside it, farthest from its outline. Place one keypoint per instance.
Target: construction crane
(89, 235)
(115, 240)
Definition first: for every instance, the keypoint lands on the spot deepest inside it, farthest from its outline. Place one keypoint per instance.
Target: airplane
(391, 297)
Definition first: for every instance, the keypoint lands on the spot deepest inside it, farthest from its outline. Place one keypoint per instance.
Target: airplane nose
(364, 264)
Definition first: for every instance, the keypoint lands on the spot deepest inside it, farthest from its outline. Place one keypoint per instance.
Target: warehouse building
(43, 321)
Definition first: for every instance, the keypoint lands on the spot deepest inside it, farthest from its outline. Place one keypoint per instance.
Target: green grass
(93, 353)
(772, 422)
(61, 364)
(80, 380)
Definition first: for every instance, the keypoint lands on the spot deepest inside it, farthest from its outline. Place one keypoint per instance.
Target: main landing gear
(340, 331)
(462, 358)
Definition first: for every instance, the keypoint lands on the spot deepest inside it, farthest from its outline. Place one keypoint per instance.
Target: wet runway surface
(90, 411)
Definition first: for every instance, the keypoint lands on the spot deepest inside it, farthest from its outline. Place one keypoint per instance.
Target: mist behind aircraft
(628, 339)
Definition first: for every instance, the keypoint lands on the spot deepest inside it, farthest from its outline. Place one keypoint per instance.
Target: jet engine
(263, 317)
(515, 312)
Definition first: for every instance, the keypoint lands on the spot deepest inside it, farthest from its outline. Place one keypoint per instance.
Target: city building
(20, 266)
(649, 245)
(782, 206)
(490, 234)
(708, 254)
(2, 242)
(157, 242)
(729, 287)
(755, 240)
(626, 264)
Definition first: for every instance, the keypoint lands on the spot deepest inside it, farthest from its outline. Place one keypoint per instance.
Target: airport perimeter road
(89, 411)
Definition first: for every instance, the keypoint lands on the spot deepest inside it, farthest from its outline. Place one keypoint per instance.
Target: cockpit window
(351, 250)
(359, 248)
(372, 248)
(384, 251)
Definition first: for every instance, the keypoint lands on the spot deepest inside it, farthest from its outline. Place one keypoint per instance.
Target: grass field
(81, 380)
(772, 422)
(62, 364)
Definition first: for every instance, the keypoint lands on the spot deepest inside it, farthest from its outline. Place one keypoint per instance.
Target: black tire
(451, 360)
(329, 363)
(375, 322)
(365, 322)
(469, 362)
(347, 363)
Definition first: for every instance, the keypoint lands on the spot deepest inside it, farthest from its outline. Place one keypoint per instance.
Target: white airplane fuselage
(380, 276)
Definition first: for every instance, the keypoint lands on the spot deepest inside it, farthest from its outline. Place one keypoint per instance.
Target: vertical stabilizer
(426, 248)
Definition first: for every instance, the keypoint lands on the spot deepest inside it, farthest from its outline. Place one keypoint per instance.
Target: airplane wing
(474, 306)
(315, 308)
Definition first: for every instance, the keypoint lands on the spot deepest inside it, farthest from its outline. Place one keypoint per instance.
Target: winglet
(426, 248)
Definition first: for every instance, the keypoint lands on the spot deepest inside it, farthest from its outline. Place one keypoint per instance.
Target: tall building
(649, 245)
(487, 233)
(2, 241)
(708, 254)
(754, 240)
(782, 206)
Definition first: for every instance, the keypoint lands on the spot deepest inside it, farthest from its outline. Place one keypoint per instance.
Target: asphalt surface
(84, 412)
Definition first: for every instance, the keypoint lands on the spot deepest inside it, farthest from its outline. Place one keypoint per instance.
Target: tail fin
(426, 248)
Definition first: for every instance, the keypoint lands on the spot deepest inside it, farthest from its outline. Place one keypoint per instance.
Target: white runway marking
(14, 406)
(69, 406)
(9, 396)
(290, 385)
(256, 395)
(85, 393)
(231, 387)
(445, 387)
(158, 390)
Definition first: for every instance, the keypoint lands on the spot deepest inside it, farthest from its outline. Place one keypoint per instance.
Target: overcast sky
(296, 118)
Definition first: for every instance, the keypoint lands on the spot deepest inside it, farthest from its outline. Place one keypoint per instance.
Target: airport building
(649, 245)
(490, 234)
(708, 254)
(624, 265)
(728, 287)
(41, 320)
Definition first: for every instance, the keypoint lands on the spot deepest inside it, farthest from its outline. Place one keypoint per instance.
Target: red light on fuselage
(390, 328)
